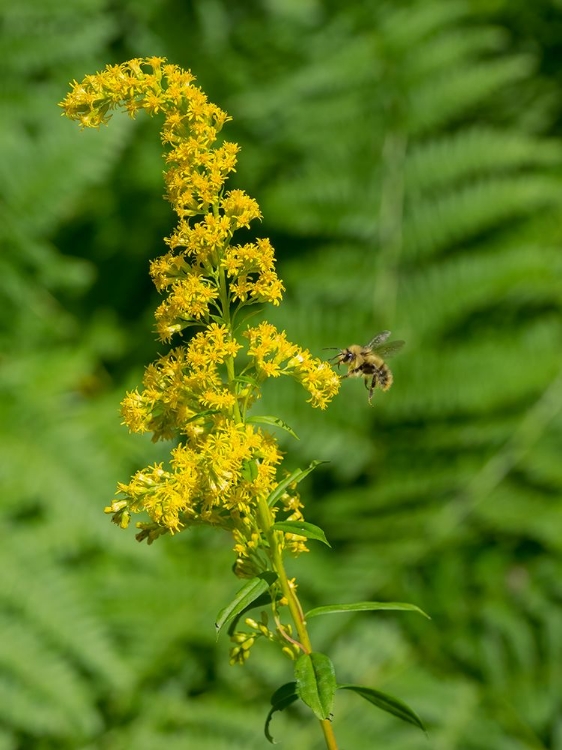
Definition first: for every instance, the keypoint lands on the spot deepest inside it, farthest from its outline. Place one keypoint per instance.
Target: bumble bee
(367, 361)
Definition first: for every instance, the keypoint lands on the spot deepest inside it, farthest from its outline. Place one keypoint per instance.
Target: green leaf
(246, 379)
(247, 594)
(275, 422)
(330, 609)
(281, 698)
(316, 683)
(302, 528)
(217, 318)
(297, 476)
(387, 703)
(245, 316)
(200, 414)
(262, 601)
(249, 470)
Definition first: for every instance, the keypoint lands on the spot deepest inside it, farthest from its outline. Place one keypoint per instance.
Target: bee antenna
(333, 348)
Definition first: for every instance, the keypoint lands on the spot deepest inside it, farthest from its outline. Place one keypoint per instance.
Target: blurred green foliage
(407, 158)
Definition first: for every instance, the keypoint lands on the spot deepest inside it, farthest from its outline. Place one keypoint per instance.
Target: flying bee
(368, 361)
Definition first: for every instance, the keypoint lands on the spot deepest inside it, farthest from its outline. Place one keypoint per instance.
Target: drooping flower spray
(225, 467)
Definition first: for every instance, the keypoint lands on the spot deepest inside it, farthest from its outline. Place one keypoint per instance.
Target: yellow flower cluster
(214, 480)
(273, 355)
(252, 269)
(187, 303)
(197, 172)
(180, 387)
(195, 177)
(197, 394)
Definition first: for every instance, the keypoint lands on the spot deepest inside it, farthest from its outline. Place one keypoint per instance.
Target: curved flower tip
(274, 355)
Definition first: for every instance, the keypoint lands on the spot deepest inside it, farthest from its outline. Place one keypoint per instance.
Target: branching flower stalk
(224, 469)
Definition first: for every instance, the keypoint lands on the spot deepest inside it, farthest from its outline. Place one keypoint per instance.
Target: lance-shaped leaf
(281, 698)
(387, 703)
(249, 470)
(302, 528)
(262, 601)
(246, 379)
(247, 594)
(199, 415)
(245, 316)
(316, 683)
(274, 422)
(297, 476)
(331, 609)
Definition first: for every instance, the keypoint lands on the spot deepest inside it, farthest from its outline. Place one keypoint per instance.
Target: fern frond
(471, 153)
(460, 215)
(41, 677)
(463, 285)
(444, 99)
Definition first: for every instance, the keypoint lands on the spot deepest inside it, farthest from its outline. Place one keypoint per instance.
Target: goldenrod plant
(225, 466)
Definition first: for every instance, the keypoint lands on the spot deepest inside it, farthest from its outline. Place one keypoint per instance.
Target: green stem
(266, 521)
(329, 735)
(276, 556)
(229, 361)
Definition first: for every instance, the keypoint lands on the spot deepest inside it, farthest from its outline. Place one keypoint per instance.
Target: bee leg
(351, 373)
(372, 386)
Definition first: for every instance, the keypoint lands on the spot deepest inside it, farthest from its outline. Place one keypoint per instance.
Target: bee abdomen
(384, 377)
(368, 368)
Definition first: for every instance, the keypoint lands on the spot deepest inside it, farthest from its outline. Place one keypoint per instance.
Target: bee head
(337, 358)
(343, 356)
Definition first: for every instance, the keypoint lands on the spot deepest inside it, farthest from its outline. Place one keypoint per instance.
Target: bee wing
(390, 349)
(379, 338)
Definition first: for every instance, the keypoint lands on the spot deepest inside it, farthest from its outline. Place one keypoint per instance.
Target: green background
(407, 157)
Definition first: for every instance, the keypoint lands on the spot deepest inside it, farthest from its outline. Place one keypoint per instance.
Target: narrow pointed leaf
(249, 470)
(316, 683)
(281, 698)
(387, 703)
(217, 319)
(247, 594)
(330, 609)
(244, 316)
(263, 600)
(297, 476)
(302, 528)
(274, 422)
(200, 414)
(246, 379)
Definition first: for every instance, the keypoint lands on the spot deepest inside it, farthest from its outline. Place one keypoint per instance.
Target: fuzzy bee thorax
(368, 361)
